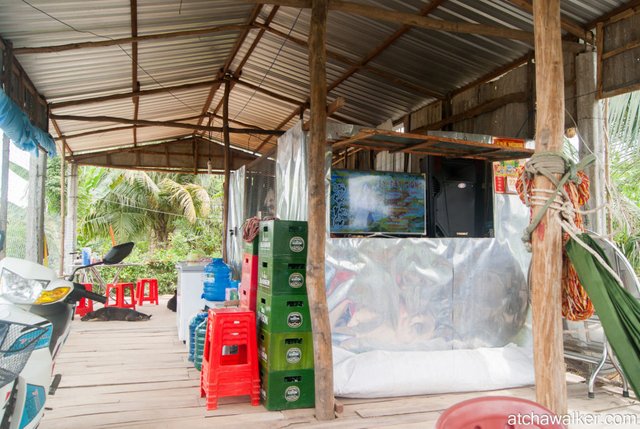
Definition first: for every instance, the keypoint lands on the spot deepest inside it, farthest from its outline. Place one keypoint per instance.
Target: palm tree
(624, 152)
(135, 203)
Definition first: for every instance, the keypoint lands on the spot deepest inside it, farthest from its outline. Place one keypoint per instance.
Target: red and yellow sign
(509, 142)
(505, 176)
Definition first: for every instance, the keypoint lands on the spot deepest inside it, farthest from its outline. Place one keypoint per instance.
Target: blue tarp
(16, 125)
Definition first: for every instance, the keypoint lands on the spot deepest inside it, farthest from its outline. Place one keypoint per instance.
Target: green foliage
(52, 185)
(624, 153)
(136, 204)
(170, 217)
(16, 231)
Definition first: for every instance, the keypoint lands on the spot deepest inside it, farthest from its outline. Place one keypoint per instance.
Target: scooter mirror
(118, 253)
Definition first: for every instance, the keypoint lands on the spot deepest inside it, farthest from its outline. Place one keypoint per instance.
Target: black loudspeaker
(460, 197)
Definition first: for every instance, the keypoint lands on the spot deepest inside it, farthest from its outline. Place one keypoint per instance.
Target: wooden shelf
(422, 144)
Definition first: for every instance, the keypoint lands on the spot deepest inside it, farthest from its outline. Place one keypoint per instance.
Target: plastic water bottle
(216, 280)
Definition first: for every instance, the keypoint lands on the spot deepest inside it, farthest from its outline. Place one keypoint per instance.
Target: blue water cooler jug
(216, 280)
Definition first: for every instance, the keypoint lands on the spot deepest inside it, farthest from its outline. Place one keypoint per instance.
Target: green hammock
(618, 310)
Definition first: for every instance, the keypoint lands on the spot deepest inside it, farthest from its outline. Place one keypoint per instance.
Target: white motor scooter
(36, 310)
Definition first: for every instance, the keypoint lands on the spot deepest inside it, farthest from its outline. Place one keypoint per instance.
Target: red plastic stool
(230, 356)
(498, 412)
(120, 294)
(85, 305)
(152, 297)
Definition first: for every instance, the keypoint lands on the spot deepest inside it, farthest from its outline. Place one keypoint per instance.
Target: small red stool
(85, 305)
(120, 295)
(152, 297)
(497, 412)
(224, 373)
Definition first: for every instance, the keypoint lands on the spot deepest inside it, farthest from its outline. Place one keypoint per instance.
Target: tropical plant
(140, 206)
(624, 154)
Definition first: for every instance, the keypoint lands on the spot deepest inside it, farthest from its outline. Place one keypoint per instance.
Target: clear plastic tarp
(236, 219)
(291, 175)
(407, 304)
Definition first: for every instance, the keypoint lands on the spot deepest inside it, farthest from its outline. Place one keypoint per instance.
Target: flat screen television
(370, 202)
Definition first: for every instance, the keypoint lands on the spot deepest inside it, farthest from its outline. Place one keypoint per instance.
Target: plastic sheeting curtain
(291, 175)
(236, 219)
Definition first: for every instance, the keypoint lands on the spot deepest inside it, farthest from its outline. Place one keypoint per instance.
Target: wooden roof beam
(168, 124)
(247, 55)
(128, 127)
(633, 4)
(61, 136)
(366, 67)
(128, 40)
(411, 19)
(135, 93)
(494, 73)
(332, 107)
(486, 107)
(214, 88)
(135, 85)
(568, 25)
(426, 10)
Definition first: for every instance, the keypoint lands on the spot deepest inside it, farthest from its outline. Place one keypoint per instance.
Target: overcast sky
(17, 185)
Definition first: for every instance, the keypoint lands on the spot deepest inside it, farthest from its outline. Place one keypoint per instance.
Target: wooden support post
(227, 167)
(591, 125)
(317, 215)
(71, 219)
(35, 213)
(546, 265)
(4, 194)
(63, 173)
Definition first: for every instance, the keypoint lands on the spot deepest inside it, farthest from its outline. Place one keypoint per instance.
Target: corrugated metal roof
(421, 60)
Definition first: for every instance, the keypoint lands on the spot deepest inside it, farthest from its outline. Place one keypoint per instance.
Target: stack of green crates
(285, 345)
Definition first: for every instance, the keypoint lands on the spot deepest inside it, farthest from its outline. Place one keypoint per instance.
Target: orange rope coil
(576, 304)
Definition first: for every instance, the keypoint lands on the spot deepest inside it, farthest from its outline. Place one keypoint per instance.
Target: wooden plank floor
(136, 375)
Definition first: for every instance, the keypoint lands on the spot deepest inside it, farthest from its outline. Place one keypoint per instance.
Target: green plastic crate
(281, 277)
(250, 248)
(285, 351)
(286, 390)
(283, 313)
(283, 239)
(200, 337)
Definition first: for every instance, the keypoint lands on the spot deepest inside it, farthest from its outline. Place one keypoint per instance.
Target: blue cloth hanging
(17, 126)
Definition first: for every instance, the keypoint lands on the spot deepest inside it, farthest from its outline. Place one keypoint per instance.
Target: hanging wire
(275, 58)
(119, 46)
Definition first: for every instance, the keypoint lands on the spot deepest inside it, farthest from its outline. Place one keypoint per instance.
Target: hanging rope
(251, 227)
(571, 193)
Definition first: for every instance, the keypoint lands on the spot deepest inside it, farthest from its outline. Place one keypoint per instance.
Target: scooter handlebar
(80, 292)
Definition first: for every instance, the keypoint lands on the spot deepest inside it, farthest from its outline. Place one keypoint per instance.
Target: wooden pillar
(35, 209)
(590, 126)
(546, 264)
(71, 219)
(317, 213)
(63, 173)
(227, 167)
(4, 194)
